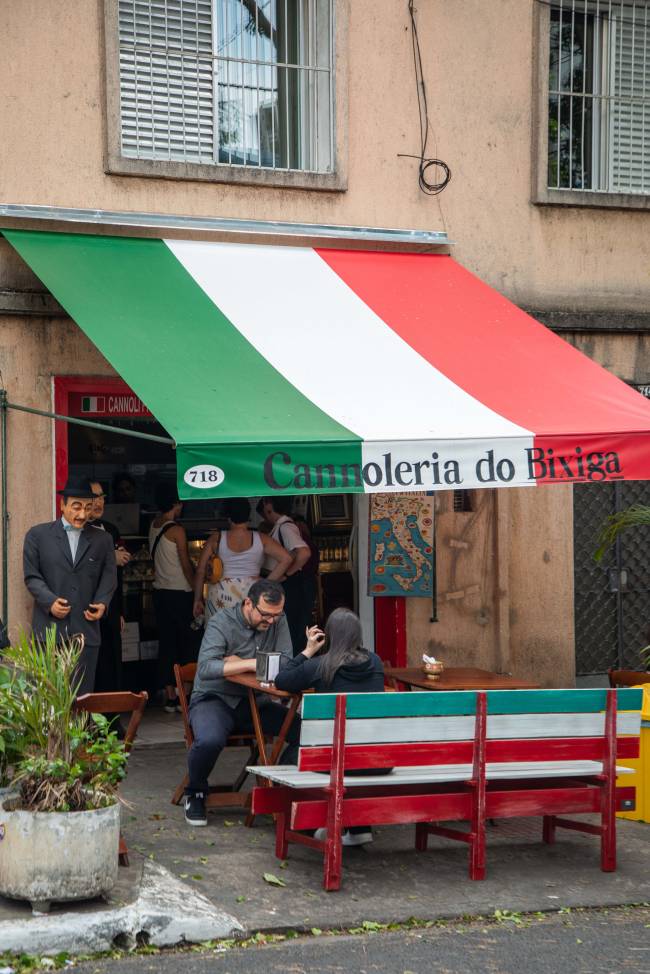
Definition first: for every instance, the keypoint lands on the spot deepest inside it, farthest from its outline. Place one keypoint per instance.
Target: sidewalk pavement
(216, 874)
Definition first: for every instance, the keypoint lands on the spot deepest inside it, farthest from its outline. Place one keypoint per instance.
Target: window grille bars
(599, 96)
(245, 83)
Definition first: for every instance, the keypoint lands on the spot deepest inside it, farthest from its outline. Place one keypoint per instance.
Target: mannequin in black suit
(69, 568)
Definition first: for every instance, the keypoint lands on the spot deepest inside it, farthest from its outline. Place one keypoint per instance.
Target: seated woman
(344, 667)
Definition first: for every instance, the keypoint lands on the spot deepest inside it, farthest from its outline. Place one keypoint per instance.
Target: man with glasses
(219, 708)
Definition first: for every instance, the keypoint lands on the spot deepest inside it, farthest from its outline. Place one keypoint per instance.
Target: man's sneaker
(348, 838)
(170, 706)
(357, 838)
(195, 813)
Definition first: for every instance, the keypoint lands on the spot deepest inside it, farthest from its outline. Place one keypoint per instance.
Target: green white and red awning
(282, 369)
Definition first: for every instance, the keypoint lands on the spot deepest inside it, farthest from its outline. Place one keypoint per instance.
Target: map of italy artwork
(401, 545)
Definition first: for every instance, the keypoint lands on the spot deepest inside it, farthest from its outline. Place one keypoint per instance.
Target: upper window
(242, 85)
(598, 98)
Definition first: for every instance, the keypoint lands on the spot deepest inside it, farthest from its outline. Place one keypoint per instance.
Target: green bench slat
(457, 703)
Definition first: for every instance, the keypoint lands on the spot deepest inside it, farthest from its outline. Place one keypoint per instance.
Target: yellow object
(641, 765)
(216, 569)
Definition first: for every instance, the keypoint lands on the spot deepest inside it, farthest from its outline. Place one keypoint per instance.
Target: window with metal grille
(462, 502)
(599, 96)
(228, 82)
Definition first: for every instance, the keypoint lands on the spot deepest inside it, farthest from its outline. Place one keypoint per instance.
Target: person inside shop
(298, 589)
(70, 569)
(125, 489)
(219, 708)
(239, 553)
(173, 589)
(108, 675)
(335, 661)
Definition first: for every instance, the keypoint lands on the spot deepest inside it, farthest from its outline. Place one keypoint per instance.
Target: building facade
(307, 111)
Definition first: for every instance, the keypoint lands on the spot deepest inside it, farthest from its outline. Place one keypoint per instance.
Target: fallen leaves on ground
(273, 880)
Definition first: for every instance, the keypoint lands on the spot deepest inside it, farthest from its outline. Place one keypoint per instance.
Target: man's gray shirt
(228, 634)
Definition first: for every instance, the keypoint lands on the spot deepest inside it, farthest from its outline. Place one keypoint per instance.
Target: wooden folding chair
(219, 796)
(627, 678)
(117, 703)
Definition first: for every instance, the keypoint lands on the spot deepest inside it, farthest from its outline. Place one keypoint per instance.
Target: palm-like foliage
(633, 517)
(64, 762)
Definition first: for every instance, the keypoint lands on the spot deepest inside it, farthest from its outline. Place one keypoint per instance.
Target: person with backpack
(173, 590)
(240, 552)
(298, 583)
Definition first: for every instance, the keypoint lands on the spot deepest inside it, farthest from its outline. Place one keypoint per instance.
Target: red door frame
(390, 629)
(64, 386)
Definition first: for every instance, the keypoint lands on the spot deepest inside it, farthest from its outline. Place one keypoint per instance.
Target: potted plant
(12, 742)
(59, 831)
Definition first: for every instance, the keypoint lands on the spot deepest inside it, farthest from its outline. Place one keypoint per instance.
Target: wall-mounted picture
(333, 511)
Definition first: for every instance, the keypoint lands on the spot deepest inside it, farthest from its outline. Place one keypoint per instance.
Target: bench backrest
(411, 729)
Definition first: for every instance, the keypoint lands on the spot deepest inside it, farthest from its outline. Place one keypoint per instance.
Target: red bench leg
(333, 847)
(421, 837)
(608, 793)
(281, 844)
(478, 783)
(548, 829)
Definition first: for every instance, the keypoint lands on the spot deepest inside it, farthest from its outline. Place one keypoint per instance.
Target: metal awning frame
(25, 216)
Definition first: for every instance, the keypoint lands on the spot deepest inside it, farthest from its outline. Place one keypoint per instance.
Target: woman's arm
(199, 578)
(178, 536)
(275, 550)
(297, 674)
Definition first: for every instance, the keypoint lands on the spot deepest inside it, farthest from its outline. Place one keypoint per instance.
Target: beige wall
(627, 356)
(31, 351)
(513, 562)
(505, 586)
(478, 59)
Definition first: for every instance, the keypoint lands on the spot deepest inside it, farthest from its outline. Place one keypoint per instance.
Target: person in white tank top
(242, 553)
(173, 588)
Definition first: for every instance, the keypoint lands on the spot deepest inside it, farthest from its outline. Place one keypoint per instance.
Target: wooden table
(456, 678)
(254, 686)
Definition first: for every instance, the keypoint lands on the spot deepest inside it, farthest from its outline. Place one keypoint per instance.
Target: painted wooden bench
(456, 757)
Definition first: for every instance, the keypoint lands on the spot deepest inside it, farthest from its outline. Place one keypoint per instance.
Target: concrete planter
(57, 856)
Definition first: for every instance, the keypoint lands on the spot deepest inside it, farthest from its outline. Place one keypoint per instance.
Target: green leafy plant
(636, 516)
(632, 517)
(12, 739)
(66, 760)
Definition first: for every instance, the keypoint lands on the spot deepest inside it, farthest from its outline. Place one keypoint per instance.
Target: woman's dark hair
(281, 505)
(343, 632)
(166, 497)
(236, 509)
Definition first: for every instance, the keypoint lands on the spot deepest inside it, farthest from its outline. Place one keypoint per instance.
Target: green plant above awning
(282, 369)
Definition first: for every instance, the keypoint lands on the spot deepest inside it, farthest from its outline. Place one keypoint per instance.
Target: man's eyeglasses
(269, 616)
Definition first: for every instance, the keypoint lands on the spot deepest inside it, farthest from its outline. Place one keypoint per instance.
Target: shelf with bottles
(140, 568)
(334, 553)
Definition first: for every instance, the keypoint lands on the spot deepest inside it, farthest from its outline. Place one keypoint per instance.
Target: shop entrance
(130, 470)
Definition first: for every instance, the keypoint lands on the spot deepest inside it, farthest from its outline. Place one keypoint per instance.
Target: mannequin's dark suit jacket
(50, 574)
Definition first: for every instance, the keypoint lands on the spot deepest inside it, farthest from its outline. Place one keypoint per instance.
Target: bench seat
(457, 757)
(289, 775)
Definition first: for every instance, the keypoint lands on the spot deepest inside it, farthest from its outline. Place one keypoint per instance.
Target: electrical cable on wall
(426, 184)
